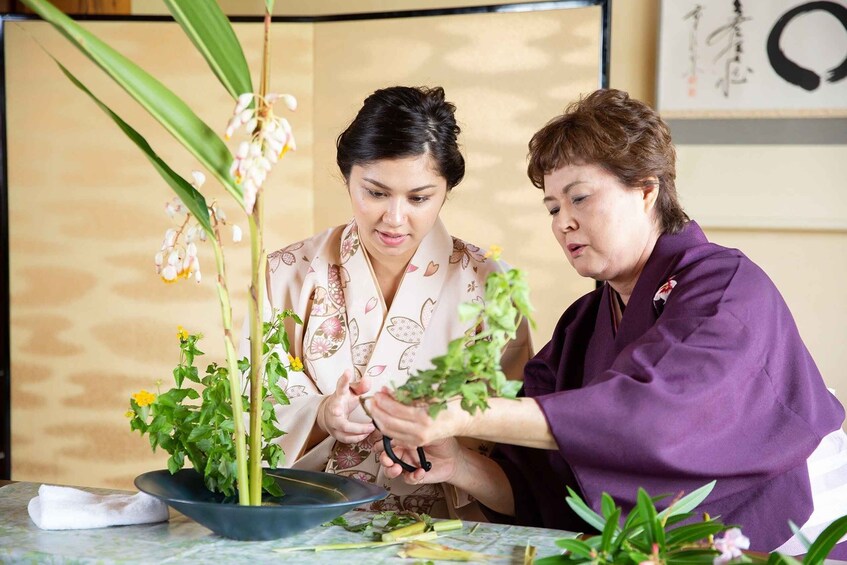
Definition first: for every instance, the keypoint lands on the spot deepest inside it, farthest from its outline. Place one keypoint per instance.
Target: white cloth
(64, 508)
(828, 477)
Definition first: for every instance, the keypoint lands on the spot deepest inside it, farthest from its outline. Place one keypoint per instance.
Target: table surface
(181, 540)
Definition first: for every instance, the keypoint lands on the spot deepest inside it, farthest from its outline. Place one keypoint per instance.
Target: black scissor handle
(425, 465)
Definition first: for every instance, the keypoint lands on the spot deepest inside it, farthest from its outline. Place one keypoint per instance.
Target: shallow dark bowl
(311, 498)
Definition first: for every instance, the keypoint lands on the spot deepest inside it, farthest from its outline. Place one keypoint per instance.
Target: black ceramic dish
(311, 498)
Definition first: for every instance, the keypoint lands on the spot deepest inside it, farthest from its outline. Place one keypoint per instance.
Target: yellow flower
(181, 334)
(129, 413)
(143, 398)
(296, 364)
(494, 252)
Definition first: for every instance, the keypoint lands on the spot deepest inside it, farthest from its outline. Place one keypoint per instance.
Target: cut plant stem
(234, 374)
(529, 554)
(434, 551)
(447, 525)
(257, 300)
(359, 545)
(405, 532)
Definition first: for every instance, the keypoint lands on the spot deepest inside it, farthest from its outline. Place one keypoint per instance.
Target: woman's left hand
(411, 425)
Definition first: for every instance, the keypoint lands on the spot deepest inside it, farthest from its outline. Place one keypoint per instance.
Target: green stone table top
(182, 541)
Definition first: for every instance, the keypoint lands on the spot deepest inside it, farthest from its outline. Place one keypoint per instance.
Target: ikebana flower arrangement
(211, 434)
(650, 537)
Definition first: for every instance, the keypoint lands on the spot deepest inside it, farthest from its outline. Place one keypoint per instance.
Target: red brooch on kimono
(661, 296)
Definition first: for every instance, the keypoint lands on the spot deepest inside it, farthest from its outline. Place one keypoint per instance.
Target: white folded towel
(63, 508)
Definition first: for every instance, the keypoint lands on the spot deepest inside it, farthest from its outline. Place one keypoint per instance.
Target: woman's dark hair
(403, 121)
(624, 136)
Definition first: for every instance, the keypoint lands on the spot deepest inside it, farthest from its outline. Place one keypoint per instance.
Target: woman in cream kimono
(379, 296)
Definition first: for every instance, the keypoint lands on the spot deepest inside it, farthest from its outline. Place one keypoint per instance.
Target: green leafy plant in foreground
(471, 367)
(649, 536)
(203, 431)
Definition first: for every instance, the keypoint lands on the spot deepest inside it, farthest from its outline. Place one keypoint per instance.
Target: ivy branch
(471, 367)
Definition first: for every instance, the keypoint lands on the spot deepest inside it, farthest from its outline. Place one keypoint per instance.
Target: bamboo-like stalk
(257, 298)
(234, 373)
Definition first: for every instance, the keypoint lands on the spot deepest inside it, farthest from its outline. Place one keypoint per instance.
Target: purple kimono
(706, 378)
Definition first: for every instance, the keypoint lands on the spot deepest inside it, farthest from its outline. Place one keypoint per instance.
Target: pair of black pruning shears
(386, 443)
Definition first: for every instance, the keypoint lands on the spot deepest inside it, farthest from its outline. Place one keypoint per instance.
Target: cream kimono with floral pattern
(328, 281)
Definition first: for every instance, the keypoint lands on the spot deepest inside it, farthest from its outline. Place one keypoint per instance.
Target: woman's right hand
(446, 456)
(335, 409)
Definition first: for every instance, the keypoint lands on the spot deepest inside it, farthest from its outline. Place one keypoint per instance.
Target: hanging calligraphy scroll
(750, 58)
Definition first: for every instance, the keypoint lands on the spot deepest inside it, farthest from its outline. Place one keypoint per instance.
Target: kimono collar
(640, 313)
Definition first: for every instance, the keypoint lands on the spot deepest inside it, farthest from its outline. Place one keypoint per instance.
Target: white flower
(199, 179)
(174, 207)
(236, 233)
(730, 546)
(270, 138)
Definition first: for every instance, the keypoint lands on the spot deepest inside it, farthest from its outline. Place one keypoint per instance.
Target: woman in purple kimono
(684, 367)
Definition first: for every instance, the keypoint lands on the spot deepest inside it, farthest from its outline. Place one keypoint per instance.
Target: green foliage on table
(657, 538)
(203, 431)
(471, 367)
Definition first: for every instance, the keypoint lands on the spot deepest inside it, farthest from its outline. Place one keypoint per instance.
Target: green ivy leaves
(471, 367)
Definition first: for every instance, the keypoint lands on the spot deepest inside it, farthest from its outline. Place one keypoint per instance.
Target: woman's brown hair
(624, 136)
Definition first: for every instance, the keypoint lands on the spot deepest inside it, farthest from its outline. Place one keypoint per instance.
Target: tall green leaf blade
(610, 529)
(269, 6)
(192, 199)
(826, 541)
(653, 530)
(780, 559)
(693, 532)
(583, 511)
(207, 26)
(170, 110)
(576, 547)
(688, 502)
(607, 504)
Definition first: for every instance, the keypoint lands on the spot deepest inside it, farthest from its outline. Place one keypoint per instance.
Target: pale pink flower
(730, 546)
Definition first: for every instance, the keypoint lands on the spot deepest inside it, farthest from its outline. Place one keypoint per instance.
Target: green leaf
(688, 502)
(169, 109)
(583, 511)
(826, 541)
(210, 31)
(189, 196)
(780, 559)
(652, 528)
(694, 557)
(577, 547)
(199, 432)
(175, 464)
(269, 6)
(607, 504)
(795, 529)
(610, 529)
(693, 532)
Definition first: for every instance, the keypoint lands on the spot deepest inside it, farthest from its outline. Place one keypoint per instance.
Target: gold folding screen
(90, 321)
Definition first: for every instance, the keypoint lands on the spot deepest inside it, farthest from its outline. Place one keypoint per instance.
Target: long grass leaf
(610, 529)
(583, 511)
(692, 532)
(826, 541)
(169, 109)
(193, 200)
(688, 502)
(209, 30)
(576, 547)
